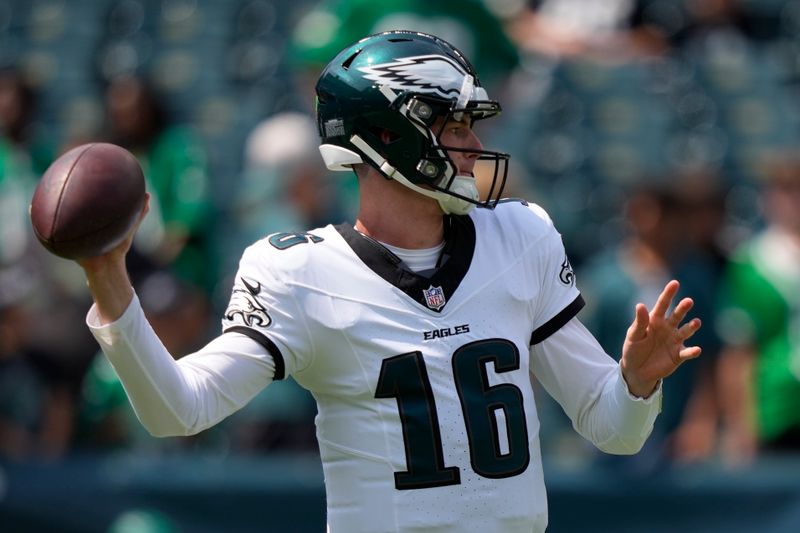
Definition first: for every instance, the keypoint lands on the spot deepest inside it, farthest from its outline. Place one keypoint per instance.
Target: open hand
(654, 345)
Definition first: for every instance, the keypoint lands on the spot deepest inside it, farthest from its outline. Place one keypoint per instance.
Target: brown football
(88, 200)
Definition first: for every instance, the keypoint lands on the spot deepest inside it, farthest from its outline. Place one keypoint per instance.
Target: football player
(417, 328)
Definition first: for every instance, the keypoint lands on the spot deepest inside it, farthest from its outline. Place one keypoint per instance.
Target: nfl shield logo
(434, 297)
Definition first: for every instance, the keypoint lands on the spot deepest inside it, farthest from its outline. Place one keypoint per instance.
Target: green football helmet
(401, 82)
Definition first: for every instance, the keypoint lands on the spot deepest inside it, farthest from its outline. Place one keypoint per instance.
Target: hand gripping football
(88, 200)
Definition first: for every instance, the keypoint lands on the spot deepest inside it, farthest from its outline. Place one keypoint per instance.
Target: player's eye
(459, 130)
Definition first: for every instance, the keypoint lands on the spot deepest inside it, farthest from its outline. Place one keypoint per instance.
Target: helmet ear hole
(385, 135)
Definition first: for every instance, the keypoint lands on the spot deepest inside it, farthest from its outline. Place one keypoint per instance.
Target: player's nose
(473, 143)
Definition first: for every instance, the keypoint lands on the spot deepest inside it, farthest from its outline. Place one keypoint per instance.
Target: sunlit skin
(394, 214)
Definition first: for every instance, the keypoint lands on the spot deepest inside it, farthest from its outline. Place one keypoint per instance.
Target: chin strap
(451, 205)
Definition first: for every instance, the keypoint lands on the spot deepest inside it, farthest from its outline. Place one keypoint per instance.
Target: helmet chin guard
(454, 202)
(401, 83)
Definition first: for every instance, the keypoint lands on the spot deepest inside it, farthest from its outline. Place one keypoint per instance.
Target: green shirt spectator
(762, 310)
(175, 165)
(468, 24)
(16, 187)
(176, 170)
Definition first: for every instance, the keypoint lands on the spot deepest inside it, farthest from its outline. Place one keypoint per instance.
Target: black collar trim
(459, 234)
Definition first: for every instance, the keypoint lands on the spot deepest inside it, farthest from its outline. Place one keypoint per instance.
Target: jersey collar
(457, 257)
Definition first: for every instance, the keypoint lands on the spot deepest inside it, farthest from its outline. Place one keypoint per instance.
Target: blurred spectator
(36, 392)
(698, 264)
(468, 24)
(16, 189)
(42, 335)
(21, 389)
(175, 165)
(609, 30)
(21, 160)
(34, 150)
(760, 325)
(633, 272)
(626, 29)
(656, 249)
(620, 30)
(286, 186)
(180, 314)
(695, 24)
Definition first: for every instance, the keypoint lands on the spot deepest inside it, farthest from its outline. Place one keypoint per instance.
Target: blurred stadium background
(602, 100)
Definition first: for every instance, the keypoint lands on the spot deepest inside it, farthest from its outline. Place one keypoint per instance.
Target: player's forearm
(175, 398)
(588, 384)
(152, 381)
(618, 422)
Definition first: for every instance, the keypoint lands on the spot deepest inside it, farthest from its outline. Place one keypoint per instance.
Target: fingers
(638, 330)
(665, 298)
(692, 352)
(680, 311)
(143, 213)
(684, 333)
(689, 329)
(146, 206)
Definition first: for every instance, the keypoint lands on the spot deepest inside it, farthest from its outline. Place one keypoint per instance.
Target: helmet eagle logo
(426, 74)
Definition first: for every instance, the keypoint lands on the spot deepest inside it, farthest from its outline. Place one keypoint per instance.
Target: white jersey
(427, 419)
(426, 416)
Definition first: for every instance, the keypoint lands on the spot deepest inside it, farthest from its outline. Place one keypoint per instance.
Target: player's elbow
(622, 445)
(162, 432)
(174, 428)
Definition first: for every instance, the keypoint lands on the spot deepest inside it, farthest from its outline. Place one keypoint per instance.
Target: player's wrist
(639, 388)
(110, 287)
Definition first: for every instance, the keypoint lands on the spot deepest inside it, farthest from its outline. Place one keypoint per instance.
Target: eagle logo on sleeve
(567, 275)
(246, 306)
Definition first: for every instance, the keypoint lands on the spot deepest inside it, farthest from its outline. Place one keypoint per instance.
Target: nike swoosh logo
(254, 289)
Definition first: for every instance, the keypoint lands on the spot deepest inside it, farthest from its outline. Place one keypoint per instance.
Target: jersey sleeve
(264, 307)
(559, 299)
(589, 386)
(186, 396)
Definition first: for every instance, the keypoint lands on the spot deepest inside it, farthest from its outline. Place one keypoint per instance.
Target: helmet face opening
(411, 85)
(432, 115)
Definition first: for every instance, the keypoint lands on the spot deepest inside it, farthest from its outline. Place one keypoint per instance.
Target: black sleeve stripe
(263, 340)
(558, 321)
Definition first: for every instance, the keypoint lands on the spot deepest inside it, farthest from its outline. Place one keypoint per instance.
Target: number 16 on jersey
(405, 378)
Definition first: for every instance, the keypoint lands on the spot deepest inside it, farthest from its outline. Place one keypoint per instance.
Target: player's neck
(399, 218)
(405, 232)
